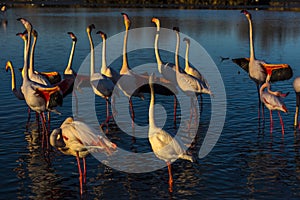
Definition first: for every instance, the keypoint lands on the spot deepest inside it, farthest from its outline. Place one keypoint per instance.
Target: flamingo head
(246, 13)
(56, 138)
(126, 21)
(284, 108)
(90, 28)
(176, 29)
(26, 24)
(73, 37)
(157, 22)
(23, 35)
(103, 35)
(8, 66)
(187, 40)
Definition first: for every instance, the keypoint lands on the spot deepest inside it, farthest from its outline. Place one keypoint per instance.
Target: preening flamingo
(78, 139)
(257, 69)
(296, 85)
(164, 146)
(102, 85)
(273, 101)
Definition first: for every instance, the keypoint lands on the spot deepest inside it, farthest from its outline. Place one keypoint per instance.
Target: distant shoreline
(78, 4)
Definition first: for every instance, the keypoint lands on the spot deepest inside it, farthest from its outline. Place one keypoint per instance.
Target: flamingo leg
(259, 102)
(28, 118)
(84, 170)
(132, 112)
(281, 122)
(297, 109)
(80, 172)
(45, 129)
(170, 177)
(48, 122)
(175, 110)
(271, 122)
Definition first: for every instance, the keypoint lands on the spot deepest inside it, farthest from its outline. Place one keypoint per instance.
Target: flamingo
(78, 139)
(166, 69)
(129, 80)
(102, 85)
(37, 96)
(272, 100)
(257, 69)
(191, 70)
(188, 83)
(164, 146)
(17, 93)
(296, 85)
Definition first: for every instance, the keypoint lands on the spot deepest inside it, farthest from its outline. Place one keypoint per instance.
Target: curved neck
(92, 54)
(265, 85)
(125, 67)
(177, 48)
(68, 69)
(31, 60)
(151, 107)
(187, 56)
(13, 81)
(252, 56)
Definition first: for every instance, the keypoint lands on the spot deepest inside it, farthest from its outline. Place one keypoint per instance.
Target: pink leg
(281, 122)
(45, 130)
(132, 112)
(170, 177)
(84, 170)
(48, 122)
(175, 110)
(80, 172)
(271, 122)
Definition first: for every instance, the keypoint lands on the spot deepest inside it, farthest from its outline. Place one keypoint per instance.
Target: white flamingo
(78, 139)
(164, 146)
(273, 101)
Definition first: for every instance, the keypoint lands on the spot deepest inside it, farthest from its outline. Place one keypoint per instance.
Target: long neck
(187, 57)
(158, 60)
(68, 69)
(151, 107)
(177, 49)
(263, 87)
(92, 54)
(25, 67)
(13, 81)
(104, 66)
(25, 49)
(125, 68)
(252, 56)
(31, 61)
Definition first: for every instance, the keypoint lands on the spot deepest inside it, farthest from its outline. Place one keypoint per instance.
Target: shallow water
(247, 162)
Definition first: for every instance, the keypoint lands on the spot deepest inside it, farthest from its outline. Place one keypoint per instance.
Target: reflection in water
(247, 161)
(36, 177)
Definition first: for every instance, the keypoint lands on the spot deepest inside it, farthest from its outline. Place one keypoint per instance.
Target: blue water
(247, 161)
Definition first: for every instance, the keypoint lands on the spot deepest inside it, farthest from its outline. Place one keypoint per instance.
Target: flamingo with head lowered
(257, 69)
(78, 139)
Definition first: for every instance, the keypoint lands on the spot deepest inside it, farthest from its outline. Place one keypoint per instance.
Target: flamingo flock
(43, 92)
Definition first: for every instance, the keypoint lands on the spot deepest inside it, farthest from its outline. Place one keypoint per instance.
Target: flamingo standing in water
(164, 146)
(79, 139)
(296, 85)
(37, 96)
(273, 101)
(129, 79)
(188, 83)
(166, 69)
(102, 85)
(257, 69)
